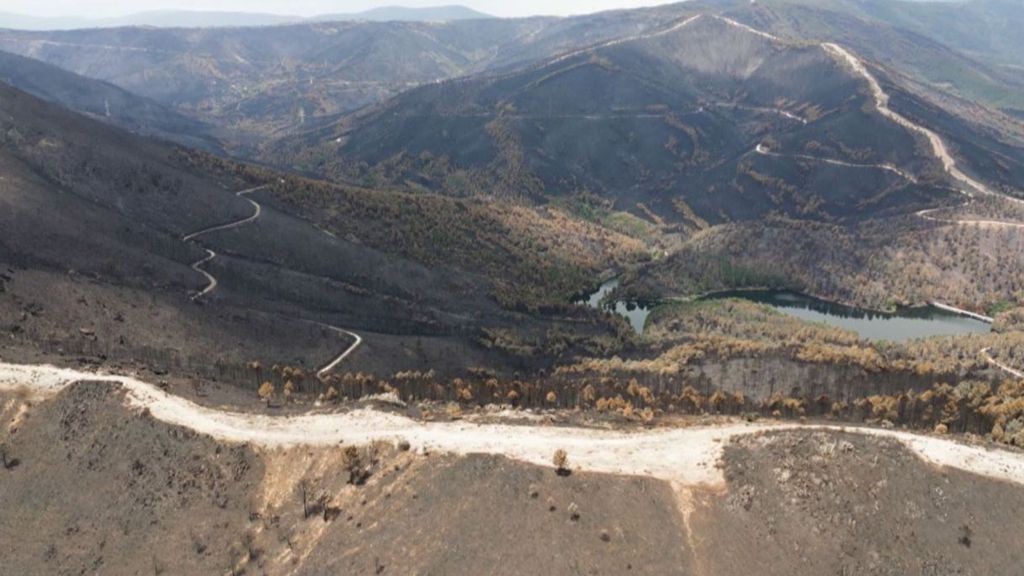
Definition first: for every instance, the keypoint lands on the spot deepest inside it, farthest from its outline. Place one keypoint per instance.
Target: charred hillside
(263, 81)
(99, 216)
(670, 120)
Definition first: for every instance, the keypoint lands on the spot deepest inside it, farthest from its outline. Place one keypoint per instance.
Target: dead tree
(305, 488)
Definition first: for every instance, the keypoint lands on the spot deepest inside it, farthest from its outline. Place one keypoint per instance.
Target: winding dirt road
(762, 109)
(257, 210)
(211, 281)
(357, 340)
(683, 456)
(882, 104)
(619, 41)
(939, 149)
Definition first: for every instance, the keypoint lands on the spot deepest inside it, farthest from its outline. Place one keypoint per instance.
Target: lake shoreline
(904, 323)
(804, 305)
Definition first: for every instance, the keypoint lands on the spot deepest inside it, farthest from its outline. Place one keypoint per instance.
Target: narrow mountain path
(986, 353)
(683, 456)
(211, 281)
(357, 340)
(257, 210)
(618, 41)
(779, 111)
(927, 215)
(764, 151)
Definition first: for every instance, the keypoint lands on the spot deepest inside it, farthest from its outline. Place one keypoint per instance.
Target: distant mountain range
(257, 82)
(212, 19)
(405, 14)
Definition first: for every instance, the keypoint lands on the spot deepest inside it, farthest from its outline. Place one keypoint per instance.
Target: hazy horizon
(99, 9)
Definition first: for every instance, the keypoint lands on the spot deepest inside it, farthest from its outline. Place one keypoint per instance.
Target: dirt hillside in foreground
(100, 489)
(827, 503)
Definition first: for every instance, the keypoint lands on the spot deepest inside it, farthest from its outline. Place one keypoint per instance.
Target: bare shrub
(266, 392)
(965, 536)
(561, 462)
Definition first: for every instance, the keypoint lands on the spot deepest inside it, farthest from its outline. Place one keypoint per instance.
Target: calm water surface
(904, 324)
(635, 312)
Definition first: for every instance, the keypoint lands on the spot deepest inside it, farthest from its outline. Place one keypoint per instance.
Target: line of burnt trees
(975, 407)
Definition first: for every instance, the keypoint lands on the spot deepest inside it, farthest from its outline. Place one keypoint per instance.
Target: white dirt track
(683, 456)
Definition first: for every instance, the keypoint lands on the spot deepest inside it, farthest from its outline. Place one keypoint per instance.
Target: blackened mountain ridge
(962, 48)
(703, 118)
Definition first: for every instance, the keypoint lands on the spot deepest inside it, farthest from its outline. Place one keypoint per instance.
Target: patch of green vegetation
(597, 211)
(999, 307)
(729, 275)
(628, 224)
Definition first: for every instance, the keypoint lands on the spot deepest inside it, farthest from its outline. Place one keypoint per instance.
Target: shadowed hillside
(101, 213)
(104, 102)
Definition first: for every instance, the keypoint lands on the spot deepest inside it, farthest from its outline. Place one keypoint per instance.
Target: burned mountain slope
(671, 120)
